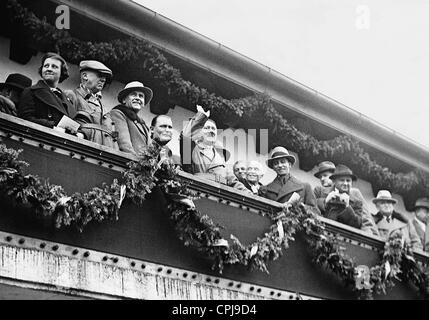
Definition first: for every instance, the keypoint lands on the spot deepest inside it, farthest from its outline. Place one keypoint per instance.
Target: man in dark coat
(11, 91)
(96, 126)
(285, 188)
(44, 103)
(390, 222)
(133, 132)
(421, 221)
(346, 204)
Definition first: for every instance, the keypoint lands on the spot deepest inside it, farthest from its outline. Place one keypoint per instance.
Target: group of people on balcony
(124, 129)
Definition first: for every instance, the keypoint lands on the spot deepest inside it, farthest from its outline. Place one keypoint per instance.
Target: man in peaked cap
(390, 222)
(11, 90)
(346, 204)
(421, 221)
(96, 126)
(285, 188)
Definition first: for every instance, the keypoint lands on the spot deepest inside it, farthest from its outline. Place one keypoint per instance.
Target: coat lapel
(44, 94)
(419, 230)
(291, 186)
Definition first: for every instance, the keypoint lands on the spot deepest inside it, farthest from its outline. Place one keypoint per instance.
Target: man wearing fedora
(10, 92)
(346, 204)
(95, 125)
(133, 132)
(202, 155)
(390, 222)
(324, 171)
(284, 186)
(421, 221)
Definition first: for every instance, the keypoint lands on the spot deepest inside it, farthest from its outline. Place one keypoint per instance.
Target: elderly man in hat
(346, 204)
(133, 132)
(285, 188)
(421, 221)
(10, 92)
(202, 155)
(324, 171)
(95, 125)
(390, 222)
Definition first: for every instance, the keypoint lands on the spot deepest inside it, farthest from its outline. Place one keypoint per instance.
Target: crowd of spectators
(124, 129)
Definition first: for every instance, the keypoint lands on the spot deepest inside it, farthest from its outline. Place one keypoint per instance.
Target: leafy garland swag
(172, 89)
(198, 230)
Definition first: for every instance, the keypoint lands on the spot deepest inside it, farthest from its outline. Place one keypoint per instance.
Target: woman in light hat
(285, 188)
(133, 132)
(390, 222)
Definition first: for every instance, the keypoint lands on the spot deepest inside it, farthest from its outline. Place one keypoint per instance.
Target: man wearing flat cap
(346, 204)
(285, 188)
(10, 92)
(324, 171)
(421, 221)
(95, 125)
(389, 222)
(133, 132)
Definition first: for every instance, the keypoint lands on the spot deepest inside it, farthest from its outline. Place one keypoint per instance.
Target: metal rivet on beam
(21, 241)
(8, 238)
(75, 252)
(42, 245)
(55, 247)
(86, 254)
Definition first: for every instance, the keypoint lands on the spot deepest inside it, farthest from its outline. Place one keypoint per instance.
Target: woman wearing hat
(346, 204)
(10, 92)
(285, 188)
(95, 125)
(44, 103)
(133, 132)
(390, 222)
(421, 221)
(324, 171)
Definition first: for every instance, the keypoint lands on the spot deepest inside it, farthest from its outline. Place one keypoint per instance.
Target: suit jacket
(422, 233)
(133, 133)
(398, 225)
(40, 105)
(280, 192)
(355, 215)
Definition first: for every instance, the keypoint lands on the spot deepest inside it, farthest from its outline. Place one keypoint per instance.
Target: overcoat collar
(292, 185)
(43, 92)
(134, 117)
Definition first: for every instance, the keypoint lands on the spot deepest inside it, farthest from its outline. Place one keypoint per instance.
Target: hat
(278, 153)
(384, 195)
(17, 80)
(95, 65)
(422, 203)
(342, 170)
(135, 86)
(323, 167)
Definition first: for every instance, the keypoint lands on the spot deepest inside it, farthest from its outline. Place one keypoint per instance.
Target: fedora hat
(341, 171)
(323, 167)
(384, 195)
(278, 153)
(135, 86)
(422, 203)
(96, 66)
(17, 81)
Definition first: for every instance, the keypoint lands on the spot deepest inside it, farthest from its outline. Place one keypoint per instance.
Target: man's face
(162, 132)
(343, 184)
(209, 133)
(422, 214)
(254, 172)
(281, 166)
(51, 71)
(325, 180)
(93, 80)
(135, 100)
(240, 169)
(385, 207)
